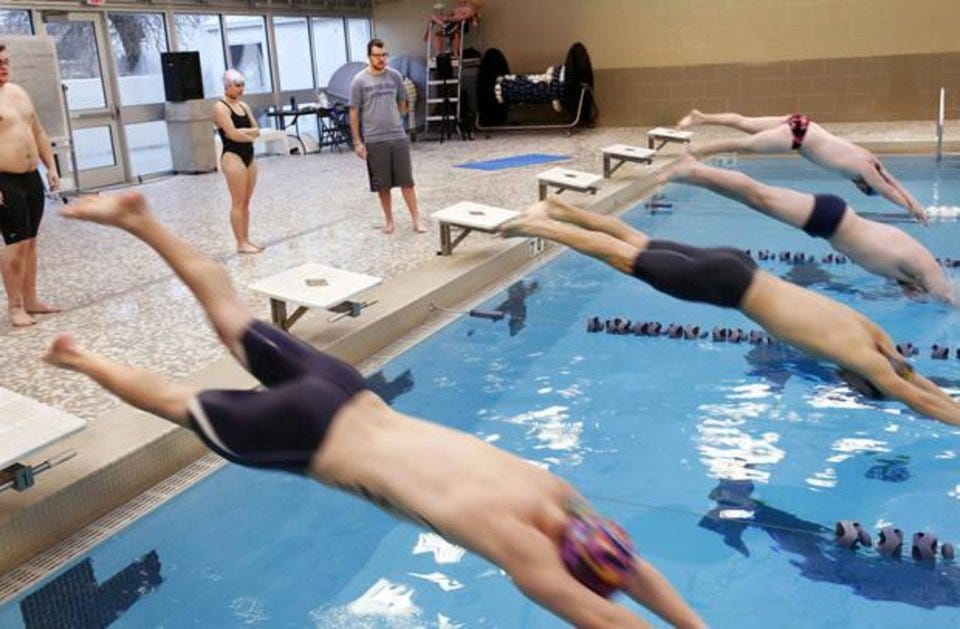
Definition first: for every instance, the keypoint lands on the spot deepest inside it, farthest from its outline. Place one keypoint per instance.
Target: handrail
(940, 116)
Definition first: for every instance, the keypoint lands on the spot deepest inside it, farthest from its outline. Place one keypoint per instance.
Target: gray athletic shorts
(388, 164)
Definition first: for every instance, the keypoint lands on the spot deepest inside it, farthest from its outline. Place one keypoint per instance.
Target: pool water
(661, 434)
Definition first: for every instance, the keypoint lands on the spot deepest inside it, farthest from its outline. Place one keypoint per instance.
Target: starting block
(623, 153)
(567, 179)
(27, 426)
(664, 135)
(468, 217)
(314, 285)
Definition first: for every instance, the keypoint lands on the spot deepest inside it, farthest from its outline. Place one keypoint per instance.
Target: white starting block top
(475, 215)
(314, 285)
(672, 135)
(625, 151)
(27, 426)
(567, 178)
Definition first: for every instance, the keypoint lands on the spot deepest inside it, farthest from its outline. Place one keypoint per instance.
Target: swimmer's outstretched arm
(919, 393)
(881, 180)
(652, 590)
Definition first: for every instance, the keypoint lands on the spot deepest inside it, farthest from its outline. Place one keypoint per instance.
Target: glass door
(81, 50)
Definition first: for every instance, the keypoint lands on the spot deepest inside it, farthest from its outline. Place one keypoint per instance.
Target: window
(293, 40)
(79, 59)
(329, 47)
(201, 33)
(137, 39)
(149, 147)
(359, 31)
(247, 45)
(15, 22)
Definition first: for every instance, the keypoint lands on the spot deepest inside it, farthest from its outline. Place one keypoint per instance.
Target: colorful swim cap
(597, 552)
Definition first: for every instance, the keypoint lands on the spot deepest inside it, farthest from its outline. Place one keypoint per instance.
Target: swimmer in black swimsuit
(238, 129)
(778, 134)
(316, 417)
(878, 247)
(729, 278)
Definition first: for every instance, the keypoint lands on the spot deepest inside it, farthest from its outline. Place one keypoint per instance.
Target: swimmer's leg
(205, 278)
(749, 124)
(610, 225)
(535, 222)
(783, 204)
(775, 140)
(137, 387)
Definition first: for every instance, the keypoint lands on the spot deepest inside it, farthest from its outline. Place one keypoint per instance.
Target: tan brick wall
(854, 89)
(842, 59)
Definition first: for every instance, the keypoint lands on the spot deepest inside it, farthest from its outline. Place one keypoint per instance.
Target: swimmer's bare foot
(691, 119)
(39, 307)
(680, 170)
(249, 247)
(63, 352)
(419, 228)
(388, 228)
(125, 210)
(19, 318)
(529, 223)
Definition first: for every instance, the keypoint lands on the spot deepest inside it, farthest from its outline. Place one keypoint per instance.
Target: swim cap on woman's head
(597, 552)
(232, 77)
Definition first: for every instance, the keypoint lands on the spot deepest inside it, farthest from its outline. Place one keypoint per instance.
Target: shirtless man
(879, 248)
(23, 144)
(318, 418)
(729, 278)
(778, 134)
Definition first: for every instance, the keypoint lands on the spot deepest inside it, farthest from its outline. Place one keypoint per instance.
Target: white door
(82, 52)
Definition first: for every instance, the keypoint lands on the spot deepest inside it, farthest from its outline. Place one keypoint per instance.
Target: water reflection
(74, 599)
(820, 559)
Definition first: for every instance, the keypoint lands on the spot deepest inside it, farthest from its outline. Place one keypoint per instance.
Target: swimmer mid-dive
(777, 134)
(729, 278)
(318, 418)
(880, 248)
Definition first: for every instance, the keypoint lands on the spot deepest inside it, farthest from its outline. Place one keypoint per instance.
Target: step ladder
(443, 94)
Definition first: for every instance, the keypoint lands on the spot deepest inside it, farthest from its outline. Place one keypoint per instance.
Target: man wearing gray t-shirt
(377, 99)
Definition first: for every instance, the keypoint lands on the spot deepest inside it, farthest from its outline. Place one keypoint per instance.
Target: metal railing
(940, 117)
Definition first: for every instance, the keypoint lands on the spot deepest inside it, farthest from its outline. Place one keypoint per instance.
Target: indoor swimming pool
(664, 435)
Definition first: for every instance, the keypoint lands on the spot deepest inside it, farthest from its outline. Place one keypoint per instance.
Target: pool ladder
(940, 116)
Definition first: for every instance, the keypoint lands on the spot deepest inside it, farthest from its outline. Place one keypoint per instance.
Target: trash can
(190, 127)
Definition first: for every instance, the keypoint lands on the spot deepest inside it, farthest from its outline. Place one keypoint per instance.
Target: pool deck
(124, 302)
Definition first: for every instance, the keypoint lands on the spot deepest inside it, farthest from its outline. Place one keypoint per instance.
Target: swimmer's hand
(360, 149)
(53, 180)
(919, 213)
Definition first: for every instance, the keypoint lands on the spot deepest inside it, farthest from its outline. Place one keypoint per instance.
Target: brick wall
(896, 87)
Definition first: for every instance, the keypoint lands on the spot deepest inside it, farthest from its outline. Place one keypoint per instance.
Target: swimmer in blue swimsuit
(729, 278)
(878, 247)
(316, 417)
(780, 134)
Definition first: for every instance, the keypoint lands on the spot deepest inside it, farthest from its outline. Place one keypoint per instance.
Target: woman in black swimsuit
(238, 129)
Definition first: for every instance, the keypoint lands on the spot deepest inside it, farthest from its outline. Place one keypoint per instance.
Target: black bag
(444, 66)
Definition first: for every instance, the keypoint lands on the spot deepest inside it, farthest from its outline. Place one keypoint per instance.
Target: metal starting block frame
(664, 135)
(468, 217)
(624, 153)
(567, 179)
(26, 427)
(314, 285)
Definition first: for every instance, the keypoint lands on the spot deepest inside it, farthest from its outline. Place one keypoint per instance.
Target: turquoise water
(657, 432)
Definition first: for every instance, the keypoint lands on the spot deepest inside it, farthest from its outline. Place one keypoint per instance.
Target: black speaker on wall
(181, 76)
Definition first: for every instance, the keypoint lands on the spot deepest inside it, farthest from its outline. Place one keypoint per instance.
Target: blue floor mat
(513, 161)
